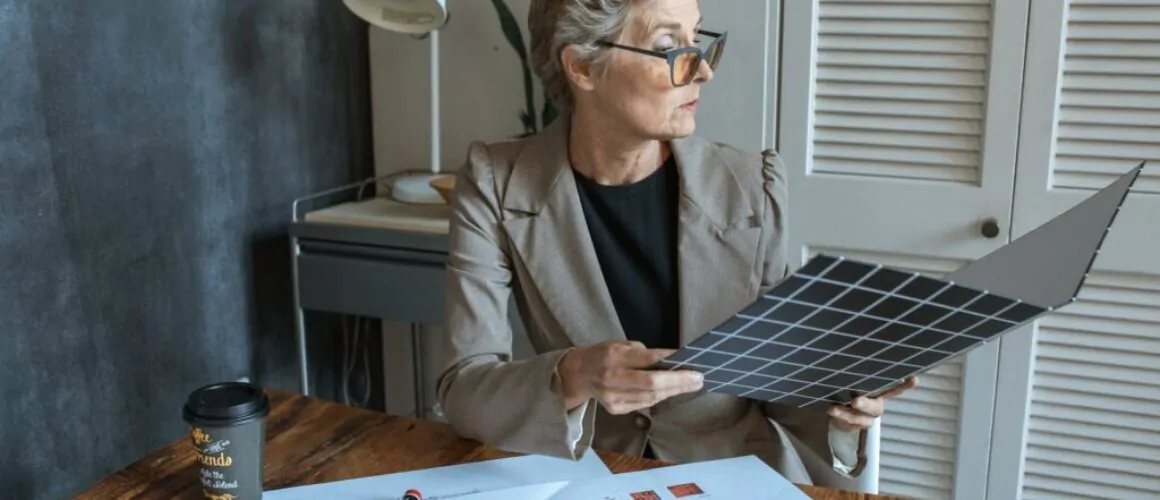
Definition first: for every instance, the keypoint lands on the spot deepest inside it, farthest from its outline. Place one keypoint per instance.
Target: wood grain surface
(309, 440)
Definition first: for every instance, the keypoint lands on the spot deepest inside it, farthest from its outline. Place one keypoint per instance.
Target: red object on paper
(412, 495)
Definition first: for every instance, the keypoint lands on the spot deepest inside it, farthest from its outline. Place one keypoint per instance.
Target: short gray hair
(554, 24)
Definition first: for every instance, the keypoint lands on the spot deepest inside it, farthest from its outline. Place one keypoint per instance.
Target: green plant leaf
(529, 122)
(511, 31)
(548, 115)
(511, 28)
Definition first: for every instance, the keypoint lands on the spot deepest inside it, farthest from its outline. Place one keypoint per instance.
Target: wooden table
(310, 441)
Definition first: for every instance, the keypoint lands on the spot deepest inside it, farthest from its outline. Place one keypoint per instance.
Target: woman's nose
(704, 72)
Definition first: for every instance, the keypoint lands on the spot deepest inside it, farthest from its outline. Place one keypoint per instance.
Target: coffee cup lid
(226, 401)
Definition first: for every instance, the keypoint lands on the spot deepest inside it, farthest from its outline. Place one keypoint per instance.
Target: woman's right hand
(613, 373)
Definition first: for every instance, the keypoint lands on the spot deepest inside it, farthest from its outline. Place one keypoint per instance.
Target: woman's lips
(691, 105)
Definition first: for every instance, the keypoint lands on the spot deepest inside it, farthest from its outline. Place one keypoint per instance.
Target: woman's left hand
(862, 411)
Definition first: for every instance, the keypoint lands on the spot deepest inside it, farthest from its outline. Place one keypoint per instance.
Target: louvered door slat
(1110, 78)
(1057, 480)
(1109, 463)
(1084, 423)
(914, 28)
(905, 60)
(1126, 31)
(1078, 82)
(1123, 153)
(1100, 386)
(900, 76)
(1112, 50)
(891, 139)
(1144, 118)
(1058, 424)
(961, 129)
(1078, 451)
(899, 107)
(1122, 101)
(1140, 12)
(892, 11)
(1106, 66)
(1109, 133)
(912, 78)
(916, 447)
(869, 90)
(904, 45)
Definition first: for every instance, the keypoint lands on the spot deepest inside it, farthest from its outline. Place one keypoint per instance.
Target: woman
(621, 236)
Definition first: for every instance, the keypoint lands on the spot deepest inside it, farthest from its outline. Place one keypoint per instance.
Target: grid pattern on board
(839, 326)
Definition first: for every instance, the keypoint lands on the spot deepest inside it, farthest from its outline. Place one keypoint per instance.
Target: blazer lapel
(547, 227)
(720, 231)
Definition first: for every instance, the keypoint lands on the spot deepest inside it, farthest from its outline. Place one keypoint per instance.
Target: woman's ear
(578, 70)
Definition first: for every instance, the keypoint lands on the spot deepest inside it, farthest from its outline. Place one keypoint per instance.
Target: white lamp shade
(414, 17)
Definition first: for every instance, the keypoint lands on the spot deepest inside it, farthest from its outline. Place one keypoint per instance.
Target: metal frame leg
(417, 370)
(295, 250)
(299, 320)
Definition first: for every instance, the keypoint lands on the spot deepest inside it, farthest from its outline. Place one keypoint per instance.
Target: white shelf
(387, 214)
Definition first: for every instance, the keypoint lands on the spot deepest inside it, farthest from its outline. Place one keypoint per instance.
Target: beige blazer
(518, 232)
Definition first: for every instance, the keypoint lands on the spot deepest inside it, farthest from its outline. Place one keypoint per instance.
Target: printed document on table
(744, 477)
(454, 481)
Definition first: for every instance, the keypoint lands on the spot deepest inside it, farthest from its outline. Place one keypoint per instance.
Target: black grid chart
(838, 326)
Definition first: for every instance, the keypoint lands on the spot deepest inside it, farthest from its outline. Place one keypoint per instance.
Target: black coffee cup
(228, 429)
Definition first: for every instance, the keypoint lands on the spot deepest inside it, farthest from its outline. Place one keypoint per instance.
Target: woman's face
(636, 89)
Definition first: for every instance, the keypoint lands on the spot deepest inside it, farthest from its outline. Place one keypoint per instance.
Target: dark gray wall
(149, 152)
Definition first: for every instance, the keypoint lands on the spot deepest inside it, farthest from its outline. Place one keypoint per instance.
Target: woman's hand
(862, 411)
(611, 372)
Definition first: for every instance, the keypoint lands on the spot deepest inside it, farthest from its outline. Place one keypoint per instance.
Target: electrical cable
(366, 400)
(346, 362)
(354, 341)
(352, 338)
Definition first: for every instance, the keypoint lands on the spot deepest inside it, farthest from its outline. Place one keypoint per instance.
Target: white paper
(545, 491)
(744, 477)
(454, 481)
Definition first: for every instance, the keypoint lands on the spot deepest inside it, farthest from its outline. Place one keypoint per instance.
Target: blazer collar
(707, 181)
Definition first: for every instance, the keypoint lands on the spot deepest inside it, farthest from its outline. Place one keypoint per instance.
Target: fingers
(622, 386)
(862, 411)
(644, 380)
(619, 402)
(873, 407)
(630, 390)
(848, 419)
(635, 355)
(906, 385)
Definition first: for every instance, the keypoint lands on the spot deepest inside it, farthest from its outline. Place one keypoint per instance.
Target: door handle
(990, 228)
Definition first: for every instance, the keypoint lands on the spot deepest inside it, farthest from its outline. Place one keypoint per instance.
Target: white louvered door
(898, 123)
(1082, 390)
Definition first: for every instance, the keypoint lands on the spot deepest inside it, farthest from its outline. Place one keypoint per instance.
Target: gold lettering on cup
(213, 453)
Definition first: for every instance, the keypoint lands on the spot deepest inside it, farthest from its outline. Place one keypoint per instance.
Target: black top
(634, 230)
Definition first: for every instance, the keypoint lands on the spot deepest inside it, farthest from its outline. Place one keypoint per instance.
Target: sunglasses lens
(714, 55)
(685, 67)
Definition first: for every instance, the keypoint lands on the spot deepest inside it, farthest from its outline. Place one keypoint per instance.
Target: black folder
(838, 327)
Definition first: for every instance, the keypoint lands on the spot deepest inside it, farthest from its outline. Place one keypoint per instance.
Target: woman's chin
(675, 127)
(684, 126)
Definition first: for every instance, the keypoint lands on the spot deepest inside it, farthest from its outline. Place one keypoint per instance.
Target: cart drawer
(393, 286)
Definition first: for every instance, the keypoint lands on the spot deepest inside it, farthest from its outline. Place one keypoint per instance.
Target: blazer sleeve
(846, 451)
(485, 395)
